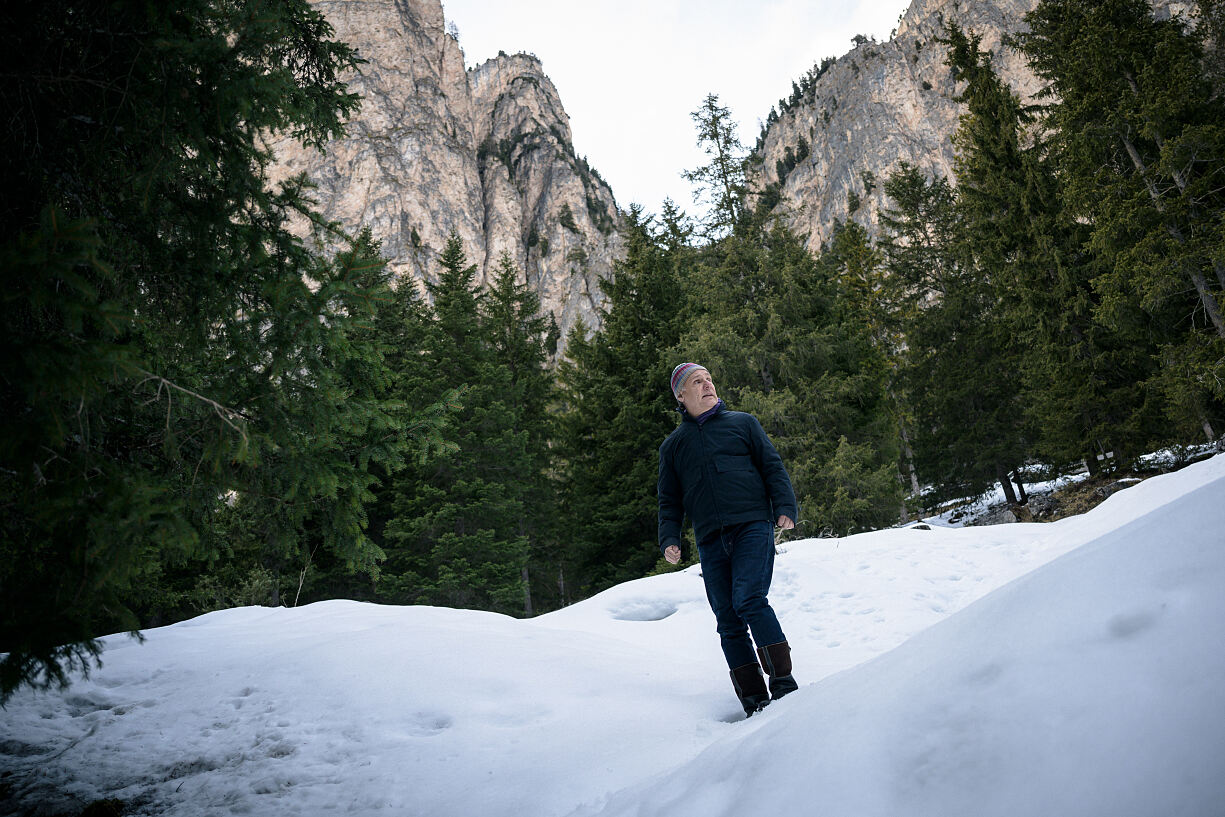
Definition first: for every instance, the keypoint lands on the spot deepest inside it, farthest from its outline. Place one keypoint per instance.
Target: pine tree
(845, 390)
(955, 379)
(1079, 377)
(376, 373)
(402, 326)
(337, 431)
(617, 410)
(163, 348)
(778, 330)
(522, 342)
(722, 179)
(1139, 137)
(870, 303)
(996, 235)
(454, 535)
(916, 245)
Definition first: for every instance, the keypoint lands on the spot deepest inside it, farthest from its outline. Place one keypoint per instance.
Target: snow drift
(1071, 668)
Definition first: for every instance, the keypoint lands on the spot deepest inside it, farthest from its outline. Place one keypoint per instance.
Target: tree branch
(228, 416)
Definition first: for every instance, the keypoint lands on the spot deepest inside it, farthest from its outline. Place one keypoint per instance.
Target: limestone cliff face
(879, 105)
(487, 154)
(543, 205)
(437, 149)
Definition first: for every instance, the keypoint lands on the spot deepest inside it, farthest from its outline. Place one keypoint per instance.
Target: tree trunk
(1009, 494)
(1211, 307)
(1209, 301)
(767, 379)
(302, 576)
(908, 456)
(527, 593)
(1023, 497)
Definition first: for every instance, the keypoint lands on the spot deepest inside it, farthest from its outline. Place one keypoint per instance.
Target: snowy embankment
(1090, 682)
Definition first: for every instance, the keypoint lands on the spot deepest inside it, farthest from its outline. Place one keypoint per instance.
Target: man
(719, 469)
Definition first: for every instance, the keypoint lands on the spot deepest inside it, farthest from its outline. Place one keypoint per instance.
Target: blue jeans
(737, 565)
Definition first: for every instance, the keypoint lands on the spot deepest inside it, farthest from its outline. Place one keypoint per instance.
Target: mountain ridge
(487, 152)
(828, 154)
(484, 153)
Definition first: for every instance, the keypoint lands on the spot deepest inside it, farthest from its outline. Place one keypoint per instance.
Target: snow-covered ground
(990, 507)
(1075, 668)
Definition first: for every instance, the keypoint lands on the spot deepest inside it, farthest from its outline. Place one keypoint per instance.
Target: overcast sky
(630, 72)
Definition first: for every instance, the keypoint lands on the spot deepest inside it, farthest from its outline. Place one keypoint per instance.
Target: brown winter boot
(750, 688)
(776, 658)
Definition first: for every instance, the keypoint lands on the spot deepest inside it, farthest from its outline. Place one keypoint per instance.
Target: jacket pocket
(740, 487)
(728, 464)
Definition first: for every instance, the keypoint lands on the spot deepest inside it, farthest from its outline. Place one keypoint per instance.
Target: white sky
(629, 73)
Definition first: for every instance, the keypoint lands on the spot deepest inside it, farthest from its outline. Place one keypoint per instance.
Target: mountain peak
(485, 153)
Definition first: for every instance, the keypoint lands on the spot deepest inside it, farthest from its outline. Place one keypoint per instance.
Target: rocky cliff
(485, 153)
(855, 118)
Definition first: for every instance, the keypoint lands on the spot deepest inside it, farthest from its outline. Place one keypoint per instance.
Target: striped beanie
(680, 374)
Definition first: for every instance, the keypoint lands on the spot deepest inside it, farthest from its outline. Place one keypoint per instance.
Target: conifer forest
(202, 411)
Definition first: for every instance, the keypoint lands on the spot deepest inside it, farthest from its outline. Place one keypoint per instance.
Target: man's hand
(673, 554)
(785, 523)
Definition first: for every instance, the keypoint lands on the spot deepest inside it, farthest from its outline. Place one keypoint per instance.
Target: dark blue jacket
(720, 472)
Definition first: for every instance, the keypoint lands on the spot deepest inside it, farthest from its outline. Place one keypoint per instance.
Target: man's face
(698, 395)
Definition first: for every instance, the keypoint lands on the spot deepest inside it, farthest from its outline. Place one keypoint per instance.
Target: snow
(1068, 668)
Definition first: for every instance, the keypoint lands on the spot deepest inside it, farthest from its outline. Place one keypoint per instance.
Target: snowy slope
(1071, 668)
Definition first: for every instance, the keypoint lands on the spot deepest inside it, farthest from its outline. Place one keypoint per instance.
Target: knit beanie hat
(680, 374)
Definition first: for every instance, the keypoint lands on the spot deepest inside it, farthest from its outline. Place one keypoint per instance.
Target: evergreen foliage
(1033, 255)
(846, 464)
(1137, 130)
(616, 410)
(461, 527)
(522, 343)
(1019, 296)
(722, 180)
(566, 218)
(782, 335)
(205, 413)
(956, 375)
(163, 349)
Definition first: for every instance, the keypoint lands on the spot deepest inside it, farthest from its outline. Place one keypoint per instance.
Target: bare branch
(229, 416)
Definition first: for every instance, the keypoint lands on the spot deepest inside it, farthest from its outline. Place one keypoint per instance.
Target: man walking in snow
(719, 469)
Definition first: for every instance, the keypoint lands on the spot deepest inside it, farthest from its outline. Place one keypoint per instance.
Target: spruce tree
(957, 384)
(868, 305)
(393, 322)
(1139, 137)
(722, 179)
(337, 431)
(455, 535)
(617, 410)
(779, 331)
(838, 359)
(1080, 378)
(522, 342)
(1008, 228)
(917, 243)
(164, 350)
